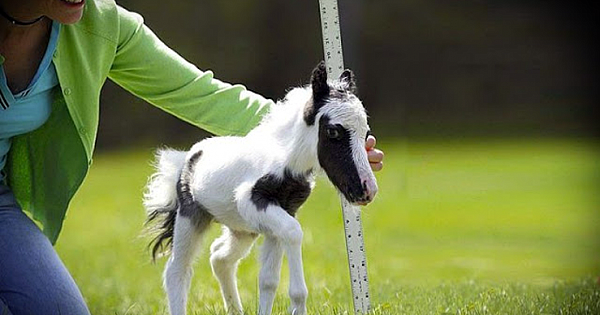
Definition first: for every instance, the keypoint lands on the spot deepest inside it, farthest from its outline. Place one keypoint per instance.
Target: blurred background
(486, 109)
(424, 68)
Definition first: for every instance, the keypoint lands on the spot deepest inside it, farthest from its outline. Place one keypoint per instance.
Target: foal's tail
(160, 199)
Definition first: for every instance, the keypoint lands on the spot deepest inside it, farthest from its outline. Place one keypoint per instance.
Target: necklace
(14, 21)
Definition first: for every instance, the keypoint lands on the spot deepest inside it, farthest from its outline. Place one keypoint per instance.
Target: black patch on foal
(288, 192)
(188, 206)
(335, 157)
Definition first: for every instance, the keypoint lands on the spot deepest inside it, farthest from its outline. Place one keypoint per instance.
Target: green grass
(458, 227)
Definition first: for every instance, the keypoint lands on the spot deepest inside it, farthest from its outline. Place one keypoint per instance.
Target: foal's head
(342, 129)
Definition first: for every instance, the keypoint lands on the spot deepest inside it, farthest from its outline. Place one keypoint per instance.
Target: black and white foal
(254, 185)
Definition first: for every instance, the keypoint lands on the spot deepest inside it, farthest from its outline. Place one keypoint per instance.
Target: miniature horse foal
(254, 185)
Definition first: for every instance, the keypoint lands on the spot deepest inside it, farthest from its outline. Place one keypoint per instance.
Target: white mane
(289, 112)
(285, 112)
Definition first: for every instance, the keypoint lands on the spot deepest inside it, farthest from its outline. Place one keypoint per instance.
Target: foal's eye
(333, 133)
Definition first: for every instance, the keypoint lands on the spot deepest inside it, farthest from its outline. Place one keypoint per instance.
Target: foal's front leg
(270, 271)
(274, 222)
(298, 292)
(284, 231)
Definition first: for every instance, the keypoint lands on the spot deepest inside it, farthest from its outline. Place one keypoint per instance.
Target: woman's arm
(149, 69)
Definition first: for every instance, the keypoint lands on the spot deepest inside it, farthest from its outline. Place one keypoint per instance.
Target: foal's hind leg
(187, 237)
(226, 252)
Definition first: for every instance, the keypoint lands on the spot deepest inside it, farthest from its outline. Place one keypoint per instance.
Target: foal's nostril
(369, 190)
(365, 189)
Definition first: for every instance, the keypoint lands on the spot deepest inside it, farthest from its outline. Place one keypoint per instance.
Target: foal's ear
(318, 81)
(320, 92)
(347, 77)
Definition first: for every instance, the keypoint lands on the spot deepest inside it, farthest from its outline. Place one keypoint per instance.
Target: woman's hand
(375, 156)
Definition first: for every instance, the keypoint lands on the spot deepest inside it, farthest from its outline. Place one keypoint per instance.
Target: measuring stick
(355, 245)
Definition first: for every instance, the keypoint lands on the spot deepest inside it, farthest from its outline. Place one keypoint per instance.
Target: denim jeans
(33, 279)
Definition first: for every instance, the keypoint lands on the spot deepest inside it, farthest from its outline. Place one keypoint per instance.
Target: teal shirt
(30, 108)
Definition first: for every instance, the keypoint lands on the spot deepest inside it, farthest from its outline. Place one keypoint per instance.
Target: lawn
(459, 227)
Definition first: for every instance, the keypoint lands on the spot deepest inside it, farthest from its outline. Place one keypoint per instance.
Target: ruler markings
(334, 62)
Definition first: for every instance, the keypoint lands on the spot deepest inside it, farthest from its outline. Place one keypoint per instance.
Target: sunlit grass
(471, 227)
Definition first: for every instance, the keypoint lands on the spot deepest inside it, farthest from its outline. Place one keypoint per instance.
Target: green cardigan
(46, 167)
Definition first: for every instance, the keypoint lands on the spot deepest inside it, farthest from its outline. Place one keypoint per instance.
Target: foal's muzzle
(369, 190)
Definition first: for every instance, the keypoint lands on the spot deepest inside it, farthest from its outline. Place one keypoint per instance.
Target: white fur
(222, 182)
(160, 191)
